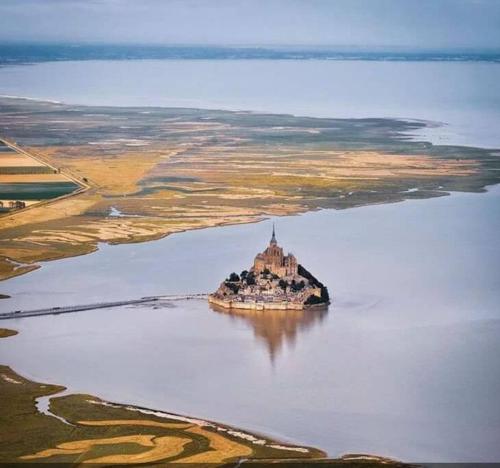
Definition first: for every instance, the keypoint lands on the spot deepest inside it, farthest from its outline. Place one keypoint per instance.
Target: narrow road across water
(98, 305)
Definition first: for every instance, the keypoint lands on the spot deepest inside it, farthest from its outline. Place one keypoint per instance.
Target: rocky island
(276, 281)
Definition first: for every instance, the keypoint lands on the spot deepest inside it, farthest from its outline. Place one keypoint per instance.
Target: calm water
(464, 96)
(35, 191)
(405, 363)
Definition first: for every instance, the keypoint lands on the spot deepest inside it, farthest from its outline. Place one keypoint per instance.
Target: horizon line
(297, 46)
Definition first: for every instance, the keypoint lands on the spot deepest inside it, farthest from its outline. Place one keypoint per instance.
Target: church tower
(274, 260)
(273, 238)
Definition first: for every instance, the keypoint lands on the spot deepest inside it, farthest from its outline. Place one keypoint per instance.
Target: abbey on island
(275, 281)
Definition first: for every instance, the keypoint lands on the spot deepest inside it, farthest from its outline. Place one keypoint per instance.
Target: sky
(365, 23)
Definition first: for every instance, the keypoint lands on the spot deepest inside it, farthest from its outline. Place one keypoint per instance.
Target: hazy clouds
(414, 23)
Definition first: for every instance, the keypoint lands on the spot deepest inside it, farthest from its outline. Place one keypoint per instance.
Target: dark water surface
(405, 363)
(35, 190)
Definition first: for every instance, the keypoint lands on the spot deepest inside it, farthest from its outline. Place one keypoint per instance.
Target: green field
(35, 190)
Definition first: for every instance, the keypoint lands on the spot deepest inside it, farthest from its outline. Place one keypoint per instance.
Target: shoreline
(54, 399)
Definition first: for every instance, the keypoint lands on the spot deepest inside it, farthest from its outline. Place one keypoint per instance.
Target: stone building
(275, 282)
(275, 261)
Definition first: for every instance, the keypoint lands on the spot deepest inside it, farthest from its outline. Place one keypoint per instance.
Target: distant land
(24, 53)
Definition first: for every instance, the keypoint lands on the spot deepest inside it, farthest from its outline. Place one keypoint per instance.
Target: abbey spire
(273, 238)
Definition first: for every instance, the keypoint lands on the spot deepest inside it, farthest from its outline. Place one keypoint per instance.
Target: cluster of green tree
(234, 287)
(233, 278)
(251, 280)
(313, 299)
(325, 297)
(248, 277)
(266, 273)
(233, 282)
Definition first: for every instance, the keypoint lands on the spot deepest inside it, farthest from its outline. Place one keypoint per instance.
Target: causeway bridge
(99, 305)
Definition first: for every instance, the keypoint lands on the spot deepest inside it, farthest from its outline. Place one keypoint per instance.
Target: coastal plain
(151, 172)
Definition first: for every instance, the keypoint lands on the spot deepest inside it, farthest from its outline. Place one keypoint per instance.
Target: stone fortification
(275, 281)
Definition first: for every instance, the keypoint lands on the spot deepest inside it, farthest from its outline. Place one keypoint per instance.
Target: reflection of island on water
(275, 327)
